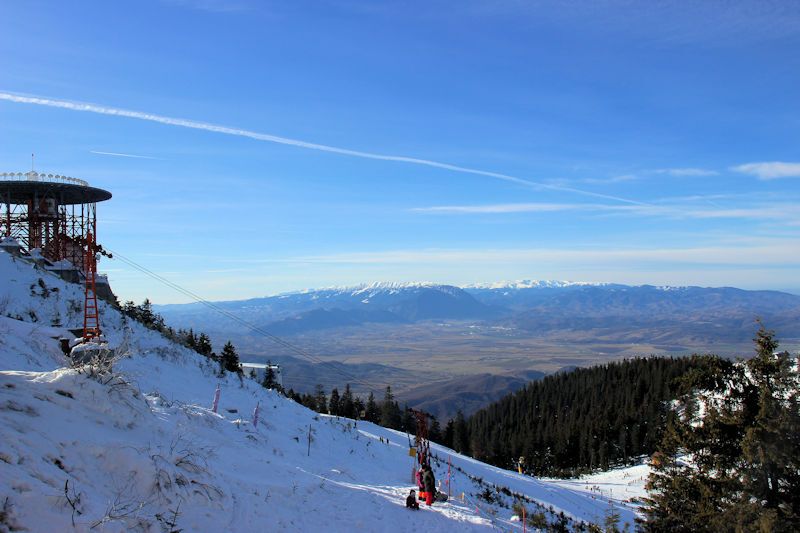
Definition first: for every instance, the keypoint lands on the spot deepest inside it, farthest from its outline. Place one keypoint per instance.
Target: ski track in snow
(133, 449)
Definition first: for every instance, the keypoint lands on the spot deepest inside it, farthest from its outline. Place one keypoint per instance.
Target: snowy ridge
(393, 287)
(371, 288)
(141, 449)
(666, 288)
(534, 284)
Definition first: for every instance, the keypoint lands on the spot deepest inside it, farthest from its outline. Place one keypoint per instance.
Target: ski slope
(140, 449)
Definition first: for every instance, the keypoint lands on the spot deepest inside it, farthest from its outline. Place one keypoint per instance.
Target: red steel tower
(56, 215)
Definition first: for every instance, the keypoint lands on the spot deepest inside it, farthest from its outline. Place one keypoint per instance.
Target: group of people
(426, 482)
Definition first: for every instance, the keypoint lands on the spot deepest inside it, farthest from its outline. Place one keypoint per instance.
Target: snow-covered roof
(32, 175)
(262, 366)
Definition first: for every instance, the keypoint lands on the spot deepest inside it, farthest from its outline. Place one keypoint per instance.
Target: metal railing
(35, 176)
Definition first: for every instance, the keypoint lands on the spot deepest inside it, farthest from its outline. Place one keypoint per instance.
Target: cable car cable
(261, 331)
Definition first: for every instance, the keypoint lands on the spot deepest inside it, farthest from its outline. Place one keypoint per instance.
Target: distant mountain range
(605, 311)
(508, 322)
(303, 311)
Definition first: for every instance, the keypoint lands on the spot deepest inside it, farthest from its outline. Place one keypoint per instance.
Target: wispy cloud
(786, 212)
(770, 170)
(768, 253)
(686, 172)
(265, 137)
(498, 208)
(622, 178)
(119, 154)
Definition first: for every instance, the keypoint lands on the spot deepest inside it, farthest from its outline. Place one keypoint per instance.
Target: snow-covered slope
(141, 450)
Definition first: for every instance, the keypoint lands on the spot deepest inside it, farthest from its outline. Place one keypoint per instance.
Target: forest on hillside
(568, 423)
(585, 419)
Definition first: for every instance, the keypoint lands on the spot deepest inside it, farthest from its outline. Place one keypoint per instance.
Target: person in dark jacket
(420, 484)
(430, 484)
(411, 500)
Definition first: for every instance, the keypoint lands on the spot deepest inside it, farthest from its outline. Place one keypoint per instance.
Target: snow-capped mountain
(533, 284)
(141, 449)
(660, 313)
(297, 312)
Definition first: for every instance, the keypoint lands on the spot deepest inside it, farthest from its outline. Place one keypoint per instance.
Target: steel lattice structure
(52, 213)
(421, 441)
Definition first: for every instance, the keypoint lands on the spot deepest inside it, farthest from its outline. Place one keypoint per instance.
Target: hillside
(140, 449)
(318, 319)
(583, 420)
(466, 394)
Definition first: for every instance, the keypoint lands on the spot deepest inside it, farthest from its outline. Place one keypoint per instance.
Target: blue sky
(623, 141)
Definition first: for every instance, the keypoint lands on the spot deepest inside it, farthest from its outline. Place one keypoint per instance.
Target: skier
(430, 484)
(420, 484)
(411, 500)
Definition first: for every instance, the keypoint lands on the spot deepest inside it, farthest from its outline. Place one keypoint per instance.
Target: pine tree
(771, 443)
(409, 422)
(146, 315)
(335, 405)
(190, 340)
(372, 414)
(204, 345)
(460, 434)
(571, 422)
(229, 359)
(359, 408)
(310, 401)
(348, 408)
(435, 430)
(449, 430)
(320, 399)
(269, 377)
(390, 412)
(294, 396)
(611, 521)
(131, 310)
(738, 423)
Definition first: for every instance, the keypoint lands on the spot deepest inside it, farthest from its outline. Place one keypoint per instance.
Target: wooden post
(216, 400)
(524, 521)
(449, 462)
(309, 440)
(255, 415)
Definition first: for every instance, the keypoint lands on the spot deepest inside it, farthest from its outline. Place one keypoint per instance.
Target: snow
(533, 284)
(388, 285)
(625, 483)
(63, 264)
(140, 447)
(368, 289)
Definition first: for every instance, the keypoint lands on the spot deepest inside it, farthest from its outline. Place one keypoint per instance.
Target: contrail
(118, 154)
(193, 124)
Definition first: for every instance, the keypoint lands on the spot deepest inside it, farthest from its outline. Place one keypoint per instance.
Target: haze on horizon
(255, 148)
